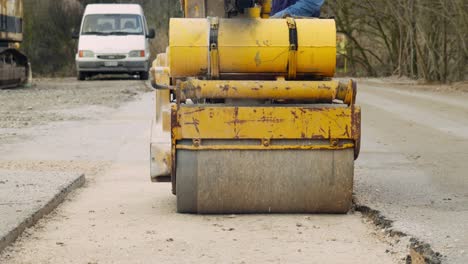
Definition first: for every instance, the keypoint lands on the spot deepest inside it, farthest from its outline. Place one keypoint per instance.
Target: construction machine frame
(248, 119)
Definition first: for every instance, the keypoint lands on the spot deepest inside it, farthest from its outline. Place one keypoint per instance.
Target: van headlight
(137, 53)
(85, 54)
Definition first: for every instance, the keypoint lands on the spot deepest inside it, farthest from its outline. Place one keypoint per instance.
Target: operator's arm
(279, 5)
(304, 8)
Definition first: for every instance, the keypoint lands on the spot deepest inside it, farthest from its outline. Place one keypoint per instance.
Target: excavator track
(14, 68)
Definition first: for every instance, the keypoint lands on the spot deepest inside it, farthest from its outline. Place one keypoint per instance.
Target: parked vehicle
(113, 39)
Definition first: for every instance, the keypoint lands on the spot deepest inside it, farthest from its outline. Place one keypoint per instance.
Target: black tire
(81, 76)
(144, 76)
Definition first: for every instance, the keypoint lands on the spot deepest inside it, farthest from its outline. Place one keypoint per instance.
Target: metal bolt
(334, 142)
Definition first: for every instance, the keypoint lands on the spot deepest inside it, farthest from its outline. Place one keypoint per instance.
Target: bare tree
(421, 39)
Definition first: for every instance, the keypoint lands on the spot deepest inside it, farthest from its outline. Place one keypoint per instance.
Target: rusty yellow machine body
(14, 65)
(248, 119)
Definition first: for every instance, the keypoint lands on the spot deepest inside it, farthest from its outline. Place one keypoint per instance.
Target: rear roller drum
(256, 181)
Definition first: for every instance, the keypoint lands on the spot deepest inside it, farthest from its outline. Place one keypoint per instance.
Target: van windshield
(112, 24)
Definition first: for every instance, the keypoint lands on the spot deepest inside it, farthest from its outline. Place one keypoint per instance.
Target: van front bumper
(122, 66)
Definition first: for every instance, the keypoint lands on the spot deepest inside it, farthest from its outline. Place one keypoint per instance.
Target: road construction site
(89, 142)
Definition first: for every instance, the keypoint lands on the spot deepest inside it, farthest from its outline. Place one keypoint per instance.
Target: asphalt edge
(48, 207)
(419, 251)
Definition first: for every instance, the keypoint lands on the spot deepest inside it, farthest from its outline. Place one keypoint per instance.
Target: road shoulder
(26, 196)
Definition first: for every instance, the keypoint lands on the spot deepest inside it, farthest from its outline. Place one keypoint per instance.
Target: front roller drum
(259, 181)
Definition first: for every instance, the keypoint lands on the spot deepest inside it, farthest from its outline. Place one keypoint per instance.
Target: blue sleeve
(306, 8)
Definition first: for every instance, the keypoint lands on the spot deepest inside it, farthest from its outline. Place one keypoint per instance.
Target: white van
(114, 38)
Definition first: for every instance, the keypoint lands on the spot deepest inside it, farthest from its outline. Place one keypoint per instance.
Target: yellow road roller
(248, 119)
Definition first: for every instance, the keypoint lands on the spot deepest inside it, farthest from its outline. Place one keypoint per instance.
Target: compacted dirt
(53, 100)
(410, 179)
(121, 217)
(413, 165)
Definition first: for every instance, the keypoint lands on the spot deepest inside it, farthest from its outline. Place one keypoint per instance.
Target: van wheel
(144, 76)
(81, 76)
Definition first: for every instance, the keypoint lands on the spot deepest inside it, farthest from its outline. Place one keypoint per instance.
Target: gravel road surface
(413, 170)
(414, 162)
(56, 100)
(121, 217)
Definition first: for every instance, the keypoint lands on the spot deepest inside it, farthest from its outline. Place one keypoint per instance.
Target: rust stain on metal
(174, 119)
(225, 88)
(258, 60)
(236, 121)
(195, 122)
(313, 109)
(324, 86)
(195, 111)
(346, 133)
(236, 115)
(263, 119)
(356, 129)
(203, 71)
(332, 119)
(189, 91)
(294, 114)
(342, 115)
(271, 119)
(317, 137)
(354, 86)
(174, 125)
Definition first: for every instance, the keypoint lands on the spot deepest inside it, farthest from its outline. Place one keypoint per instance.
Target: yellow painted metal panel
(188, 47)
(253, 60)
(279, 122)
(266, 7)
(252, 46)
(240, 53)
(261, 147)
(317, 46)
(253, 12)
(324, 91)
(312, 91)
